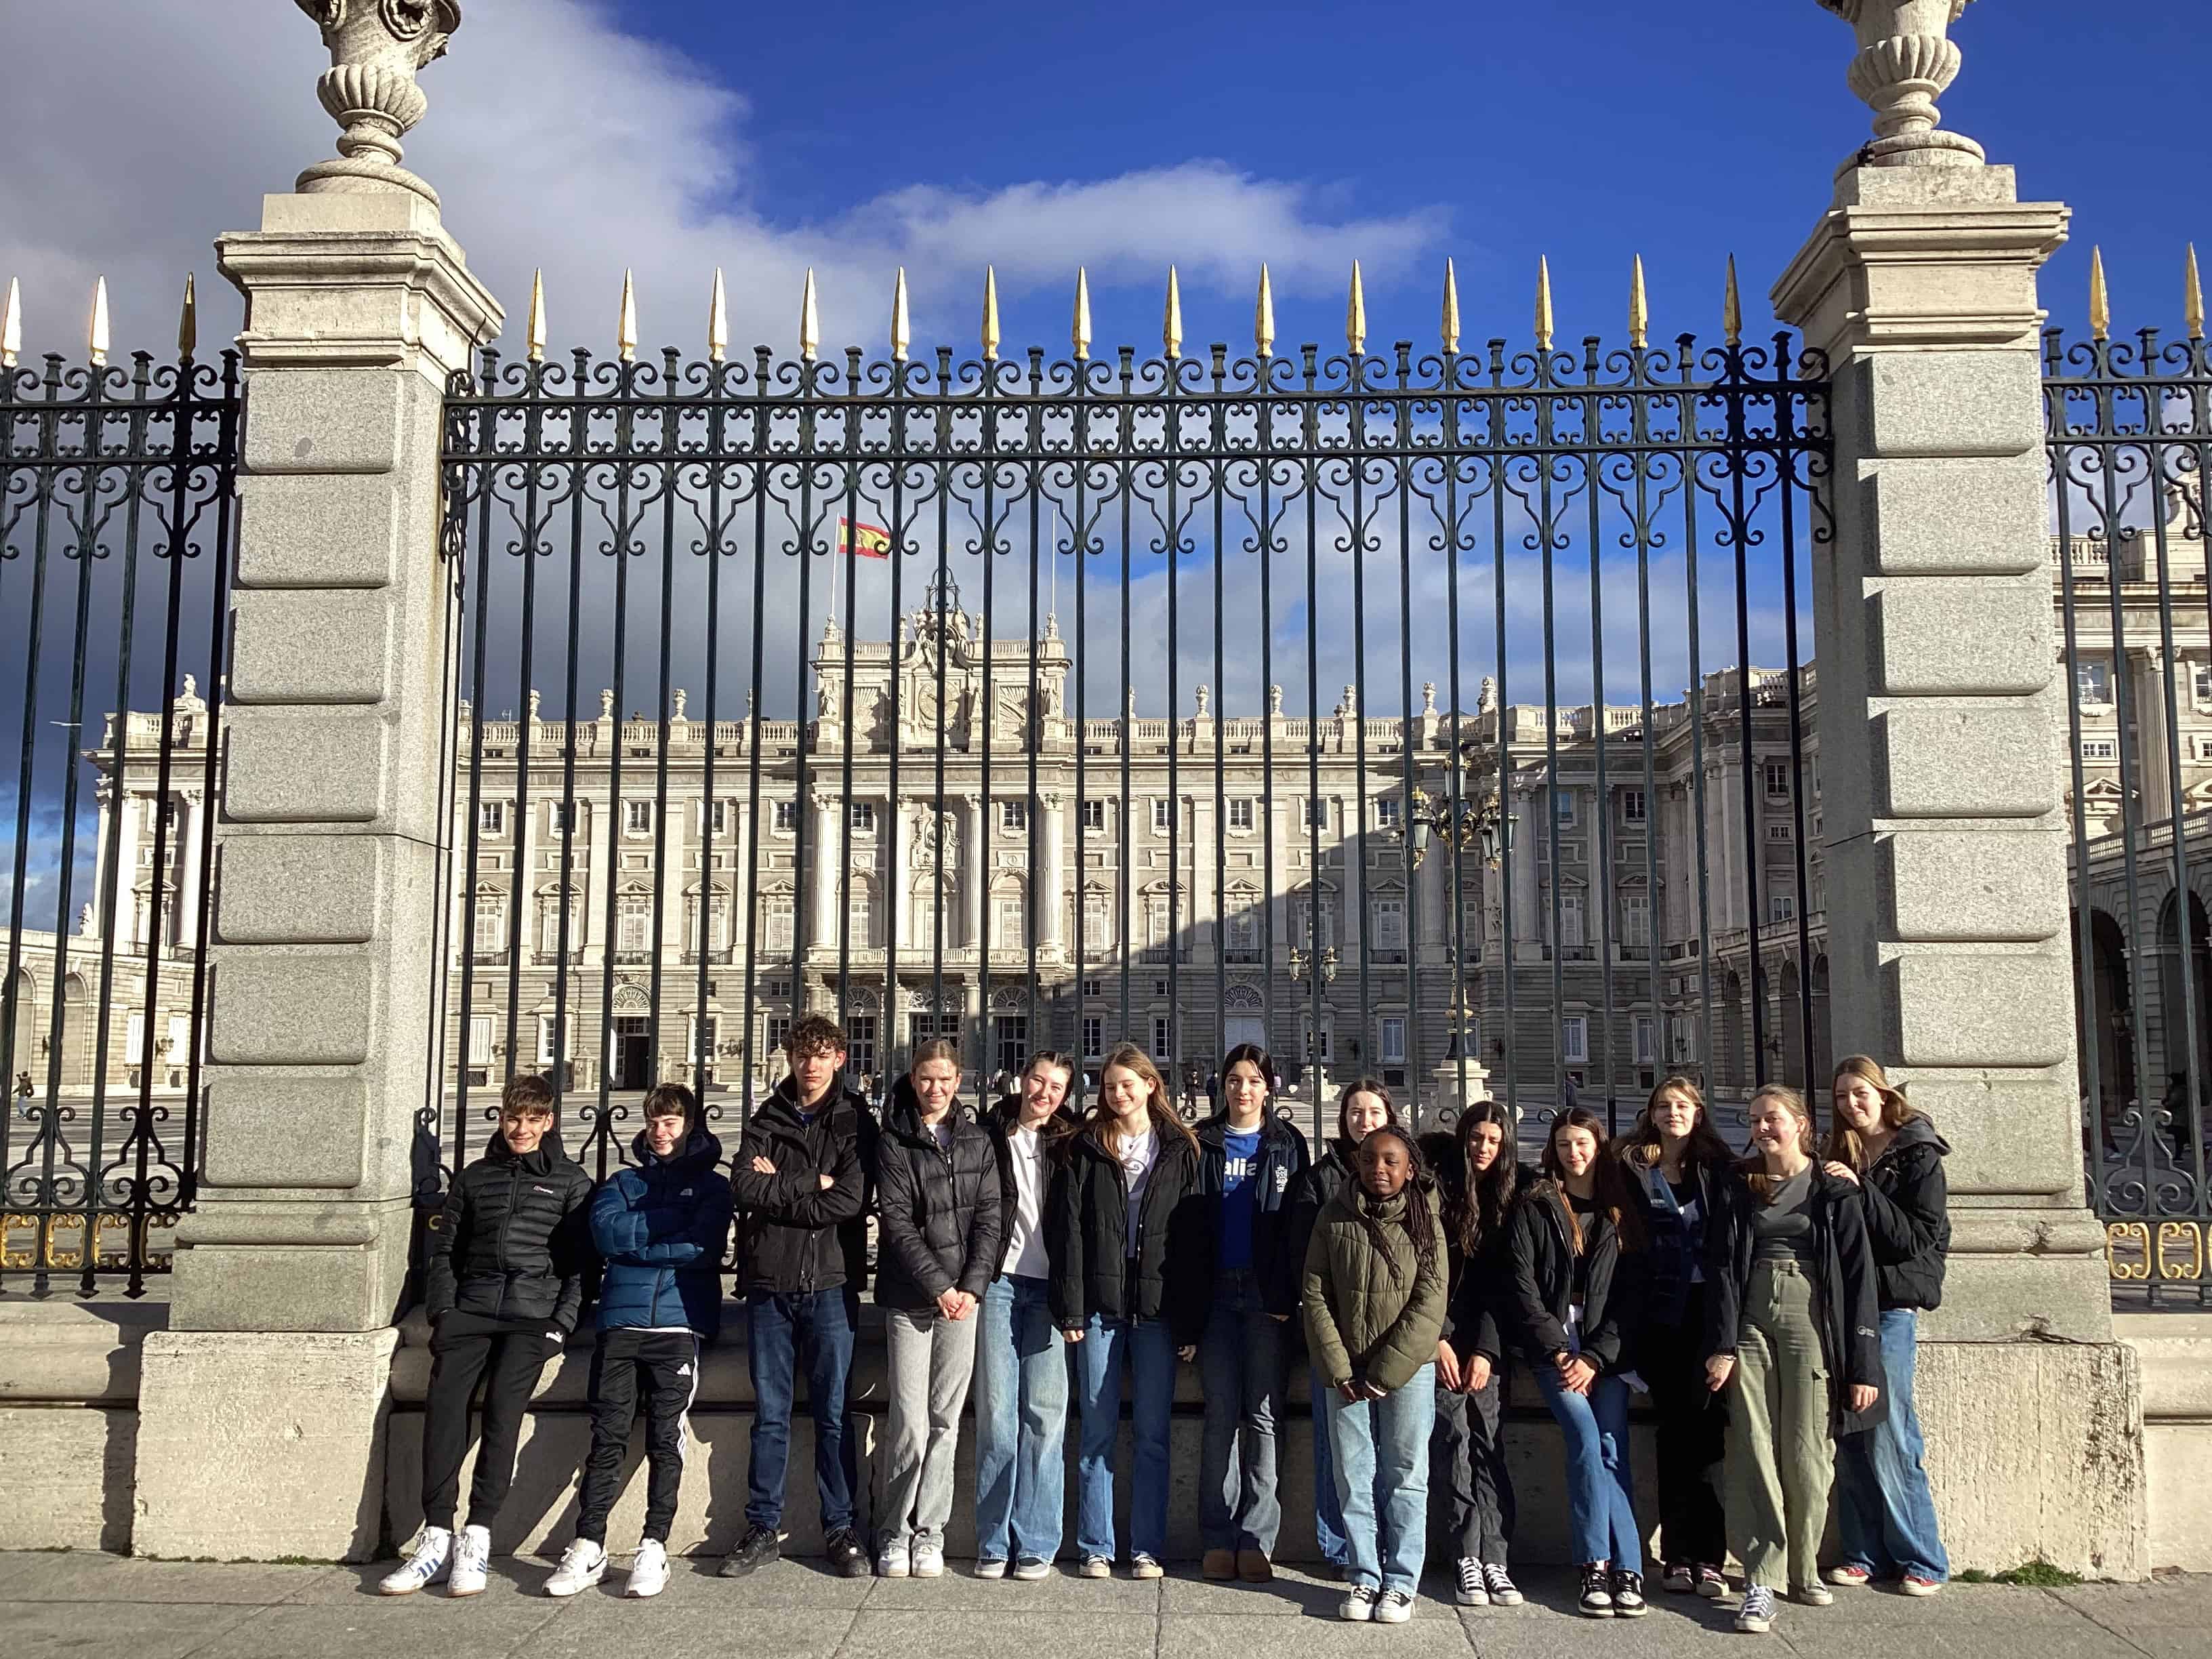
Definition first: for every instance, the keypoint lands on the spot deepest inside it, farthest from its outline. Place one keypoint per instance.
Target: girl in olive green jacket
(1374, 1304)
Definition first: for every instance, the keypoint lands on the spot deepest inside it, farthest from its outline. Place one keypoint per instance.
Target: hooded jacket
(1674, 1253)
(1086, 1216)
(1480, 1316)
(1844, 1296)
(1329, 1174)
(1372, 1315)
(999, 1123)
(661, 1226)
(1276, 1169)
(512, 1242)
(1906, 1202)
(799, 1236)
(939, 1212)
(1543, 1256)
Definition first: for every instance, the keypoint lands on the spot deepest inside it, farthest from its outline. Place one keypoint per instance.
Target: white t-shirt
(943, 1129)
(1025, 1254)
(1138, 1154)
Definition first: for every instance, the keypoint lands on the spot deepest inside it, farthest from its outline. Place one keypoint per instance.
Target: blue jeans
(1601, 1481)
(780, 1332)
(1328, 1514)
(1021, 1425)
(1149, 1351)
(1885, 1514)
(1382, 1451)
(1240, 1360)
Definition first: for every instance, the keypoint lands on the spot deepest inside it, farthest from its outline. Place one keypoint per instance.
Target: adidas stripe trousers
(661, 1367)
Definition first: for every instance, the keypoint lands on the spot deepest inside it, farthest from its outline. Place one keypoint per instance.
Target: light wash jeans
(1240, 1360)
(1021, 1425)
(1381, 1450)
(928, 1360)
(1885, 1514)
(1147, 1348)
(1601, 1481)
(1328, 1514)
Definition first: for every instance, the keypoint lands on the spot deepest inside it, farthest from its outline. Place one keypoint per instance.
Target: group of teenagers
(1765, 1301)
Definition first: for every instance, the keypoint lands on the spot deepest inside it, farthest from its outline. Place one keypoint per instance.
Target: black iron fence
(1399, 710)
(2131, 431)
(116, 520)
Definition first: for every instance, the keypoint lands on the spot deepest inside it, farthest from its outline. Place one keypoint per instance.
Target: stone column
(186, 903)
(2147, 670)
(1528, 923)
(827, 852)
(263, 1405)
(1941, 709)
(899, 850)
(977, 878)
(1049, 890)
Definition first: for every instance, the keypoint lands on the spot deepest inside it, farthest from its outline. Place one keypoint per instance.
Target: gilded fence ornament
(901, 326)
(376, 48)
(96, 344)
(1639, 308)
(1732, 307)
(2100, 299)
(1263, 316)
(11, 325)
(1080, 333)
(1448, 325)
(188, 321)
(1906, 57)
(990, 335)
(1355, 314)
(1543, 318)
(810, 320)
(717, 321)
(2192, 296)
(536, 336)
(626, 322)
(1171, 319)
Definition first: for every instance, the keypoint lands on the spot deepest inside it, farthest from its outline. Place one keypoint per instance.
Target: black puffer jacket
(1086, 1216)
(999, 1123)
(1278, 1168)
(1481, 1317)
(513, 1238)
(1675, 1251)
(1543, 1256)
(1328, 1175)
(1908, 1216)
(1844, 1296)
(940, 1212)
(798, 1236)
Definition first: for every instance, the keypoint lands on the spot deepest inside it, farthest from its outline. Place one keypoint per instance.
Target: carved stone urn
(1906, 58)
(376, 46)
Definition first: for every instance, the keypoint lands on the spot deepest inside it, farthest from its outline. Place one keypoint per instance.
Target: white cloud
(558, 140)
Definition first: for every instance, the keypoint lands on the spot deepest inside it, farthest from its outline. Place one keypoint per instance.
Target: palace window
(1014, 817)
(491, 817)
(1240, 816)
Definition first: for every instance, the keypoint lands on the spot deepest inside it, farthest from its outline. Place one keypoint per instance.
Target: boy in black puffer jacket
(505, 1285)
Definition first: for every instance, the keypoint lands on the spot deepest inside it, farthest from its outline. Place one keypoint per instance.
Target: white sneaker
(471, 1557)
(895, 1560)
(583, 1563)
(990, 1566)
(1359, 1604)
(1096, 1566)
(429, 1562)
(928, 1555)
(648, 1568)
(1394, 1608)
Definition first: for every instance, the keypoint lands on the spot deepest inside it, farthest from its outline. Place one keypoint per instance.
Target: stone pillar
(1051, 887)
(263, 1405)
(2147, 671)
(898, 849)
(827, 852)
(977, 877)
(1941, 709)
(1528, 923)
(186, 903)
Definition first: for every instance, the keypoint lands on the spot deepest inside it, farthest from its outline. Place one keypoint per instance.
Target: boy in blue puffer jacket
(661, 1227)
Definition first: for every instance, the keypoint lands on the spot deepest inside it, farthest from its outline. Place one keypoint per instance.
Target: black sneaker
(759, 1546)
(847, 1558)
(1597, 1591)
(1628, 1595)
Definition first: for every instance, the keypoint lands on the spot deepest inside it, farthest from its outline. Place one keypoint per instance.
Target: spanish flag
(867, 541)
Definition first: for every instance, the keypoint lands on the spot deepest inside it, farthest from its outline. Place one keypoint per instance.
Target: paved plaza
(65, 1603)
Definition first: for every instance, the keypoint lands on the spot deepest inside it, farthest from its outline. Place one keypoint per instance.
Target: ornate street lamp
(1475, 826)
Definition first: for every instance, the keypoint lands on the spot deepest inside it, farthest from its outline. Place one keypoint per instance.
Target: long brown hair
(1644, 1144)
(1365, 1085)
(1752, 1165)
(1101, 1124)
(1476, 1212)
(1419, 1220)
(1608, 1181)
(1844, 1146)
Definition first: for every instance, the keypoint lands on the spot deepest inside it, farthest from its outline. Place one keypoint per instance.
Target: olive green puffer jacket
(1363, 1320)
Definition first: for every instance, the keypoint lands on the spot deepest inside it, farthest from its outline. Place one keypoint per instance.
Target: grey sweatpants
(930, 1359)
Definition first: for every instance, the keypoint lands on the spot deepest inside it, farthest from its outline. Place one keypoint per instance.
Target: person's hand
(1718, 1370)
(1447, 1371)
(1476, 1377)
(948, 1303)
(827, 1180)
(1352, 1393)
(1280, 1319)
(1072, 1333)
(1577, 1374)
(1187, 1352)
(762, 1166)
(1842, 1172)
(1863, 1396)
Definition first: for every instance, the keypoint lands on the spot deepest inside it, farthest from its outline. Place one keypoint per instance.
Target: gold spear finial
(1263, 315)
(1543, 303)
(718, 321)
(1450, 324)
(1080, 333)
(2192, 297)
(188, 321)
(990, 313)
(901, 329)
(810, 320)
(1732, 308)
(2100, 302)
(11, 325)
(537, 337)
(626, 325)
(99, 341)
(1639, 307)
(1171, 321)
(1355, 313)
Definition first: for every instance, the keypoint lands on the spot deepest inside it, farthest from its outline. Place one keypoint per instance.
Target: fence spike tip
(98, 332)
(2193, 306)
(1079, 331)
(1639, 307)
(1263, 315)
(1732, 308)
(2100, 301)
(1171, 320)
(11, 325)
(718, 321)
(188, 321)
(901, 330)
(810, 320)
(990, 313)
(1543, 303)
(1449, 323)
(1355, 313)
(626, 324)
(537, 335)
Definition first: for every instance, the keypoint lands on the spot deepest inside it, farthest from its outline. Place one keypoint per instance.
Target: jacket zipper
(506, 1221)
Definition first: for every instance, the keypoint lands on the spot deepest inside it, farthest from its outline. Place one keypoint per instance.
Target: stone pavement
(54, 1604)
